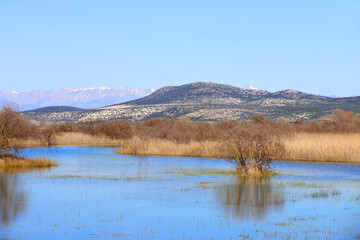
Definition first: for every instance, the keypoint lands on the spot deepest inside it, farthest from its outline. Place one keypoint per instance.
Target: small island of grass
(21, 162)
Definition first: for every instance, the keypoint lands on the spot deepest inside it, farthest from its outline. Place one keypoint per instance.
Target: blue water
(95, 193)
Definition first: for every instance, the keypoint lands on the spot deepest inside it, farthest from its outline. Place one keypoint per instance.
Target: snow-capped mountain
(249, 87)
(77, 97)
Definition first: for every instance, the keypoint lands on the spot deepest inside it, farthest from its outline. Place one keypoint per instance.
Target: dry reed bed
(326, 147)
(75, 139)
(81, 139)
(329, 147)
(159, 147)
(20, 162)
(320, 147)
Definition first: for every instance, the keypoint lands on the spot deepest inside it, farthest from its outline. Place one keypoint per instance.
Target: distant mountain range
(209, 102)
(75, 97)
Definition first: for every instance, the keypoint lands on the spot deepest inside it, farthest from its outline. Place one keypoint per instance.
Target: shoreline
(278, 160)
(186, 156)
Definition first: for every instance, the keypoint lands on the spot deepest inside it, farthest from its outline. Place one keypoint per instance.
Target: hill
(213, 102)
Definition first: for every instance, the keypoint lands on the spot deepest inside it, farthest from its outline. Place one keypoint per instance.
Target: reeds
(324, 147)
(74, 139)
(160, 147)
(21, 162)
(81, 139)
(328, 147)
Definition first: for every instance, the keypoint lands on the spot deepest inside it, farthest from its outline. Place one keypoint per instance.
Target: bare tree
(13, 128)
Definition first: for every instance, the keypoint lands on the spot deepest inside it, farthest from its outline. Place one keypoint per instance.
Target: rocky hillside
(211, 102)
(200, 93)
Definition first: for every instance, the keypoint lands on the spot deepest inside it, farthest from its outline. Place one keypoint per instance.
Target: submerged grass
(201, 172)
(21, 162)
(122, 178)
(323, 194)
(216, 172)
(299, 184)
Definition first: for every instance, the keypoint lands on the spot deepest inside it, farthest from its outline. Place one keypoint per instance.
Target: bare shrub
(13, 128)
(259, 118)
(252, 152)
(116, 129)
(180, 131)
(47, 136)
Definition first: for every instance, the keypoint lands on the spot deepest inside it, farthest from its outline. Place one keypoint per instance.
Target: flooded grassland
(96, 193)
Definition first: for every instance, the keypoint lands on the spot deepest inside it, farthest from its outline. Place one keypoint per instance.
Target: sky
(311, 46)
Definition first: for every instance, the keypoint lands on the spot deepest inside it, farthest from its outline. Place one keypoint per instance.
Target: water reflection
(12, 198)
(250, 198)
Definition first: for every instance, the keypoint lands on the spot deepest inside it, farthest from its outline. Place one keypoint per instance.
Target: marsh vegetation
(250, 145)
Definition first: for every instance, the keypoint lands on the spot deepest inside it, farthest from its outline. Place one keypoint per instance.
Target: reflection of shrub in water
(12, 200)
(250, 198)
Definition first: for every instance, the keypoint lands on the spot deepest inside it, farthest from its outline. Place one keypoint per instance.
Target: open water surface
(95, 193)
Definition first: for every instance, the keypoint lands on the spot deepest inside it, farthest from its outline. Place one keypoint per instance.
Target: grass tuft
(21, 162)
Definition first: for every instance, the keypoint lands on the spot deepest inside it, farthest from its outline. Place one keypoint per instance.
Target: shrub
(13, 128)
(252, 152)
(116, 129)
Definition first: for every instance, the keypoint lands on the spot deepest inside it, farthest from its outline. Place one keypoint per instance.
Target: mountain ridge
(211, 102)
(214, 91)
(91, 97)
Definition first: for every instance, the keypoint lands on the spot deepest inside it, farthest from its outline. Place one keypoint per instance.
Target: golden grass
(328, 147)
(75, 139)
(81, 139)
(159, 147)
(20, 162)
(299, 147)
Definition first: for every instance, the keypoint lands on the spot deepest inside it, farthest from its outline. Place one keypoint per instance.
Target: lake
(96, 193)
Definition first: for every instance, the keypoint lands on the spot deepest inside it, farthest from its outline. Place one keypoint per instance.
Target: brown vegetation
(329, 147)
(158, 147)
(13, 130)
(250, 145)
(251, 152)
(20, 162)
(13, 127)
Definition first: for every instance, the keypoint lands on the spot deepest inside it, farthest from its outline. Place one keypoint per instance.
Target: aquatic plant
(21, 162)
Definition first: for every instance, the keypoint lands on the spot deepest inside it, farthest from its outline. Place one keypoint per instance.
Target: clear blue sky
(308, 45)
